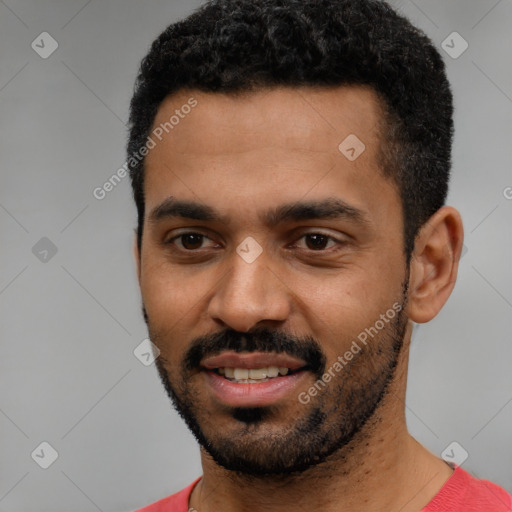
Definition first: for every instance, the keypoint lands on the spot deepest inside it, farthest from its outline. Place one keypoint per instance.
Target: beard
(270, 441)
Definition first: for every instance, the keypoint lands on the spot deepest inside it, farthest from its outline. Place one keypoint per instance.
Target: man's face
(291, 253)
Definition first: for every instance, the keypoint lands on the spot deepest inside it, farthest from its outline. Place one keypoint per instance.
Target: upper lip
(252, 360)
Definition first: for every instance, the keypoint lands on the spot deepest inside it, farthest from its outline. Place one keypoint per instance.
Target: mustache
(257, 340)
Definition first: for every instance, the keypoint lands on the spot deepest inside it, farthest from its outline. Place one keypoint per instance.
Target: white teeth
(241, 373)
(273, 371)
(260, 373)
(246, 375)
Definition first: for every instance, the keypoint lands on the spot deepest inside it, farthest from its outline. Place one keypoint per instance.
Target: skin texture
(244, 155)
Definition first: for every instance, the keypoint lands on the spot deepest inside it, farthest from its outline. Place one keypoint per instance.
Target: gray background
(71, 320)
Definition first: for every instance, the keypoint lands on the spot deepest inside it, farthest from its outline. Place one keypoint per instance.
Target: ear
(136, 254)
(434, 264)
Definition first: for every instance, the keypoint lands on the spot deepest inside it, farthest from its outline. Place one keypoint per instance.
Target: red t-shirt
(460, 493)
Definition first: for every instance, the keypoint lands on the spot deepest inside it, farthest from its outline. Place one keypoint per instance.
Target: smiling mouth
(254, 375)
(253, 379)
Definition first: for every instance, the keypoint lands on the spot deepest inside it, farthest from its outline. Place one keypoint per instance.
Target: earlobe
(434, 264)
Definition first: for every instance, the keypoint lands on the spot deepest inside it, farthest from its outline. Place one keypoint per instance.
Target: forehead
(273, 144)
(314, 119)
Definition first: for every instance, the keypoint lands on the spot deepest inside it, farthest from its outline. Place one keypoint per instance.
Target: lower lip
(252, 395)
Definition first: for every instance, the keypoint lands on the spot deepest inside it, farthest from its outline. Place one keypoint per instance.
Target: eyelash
(170, 242)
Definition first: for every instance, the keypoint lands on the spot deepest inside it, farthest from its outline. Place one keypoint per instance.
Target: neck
(382, 468)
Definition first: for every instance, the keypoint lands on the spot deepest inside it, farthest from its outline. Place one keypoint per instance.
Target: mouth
(253, 379)
(255, 375)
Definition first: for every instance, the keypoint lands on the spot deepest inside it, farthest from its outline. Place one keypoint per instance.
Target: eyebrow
(329, 208)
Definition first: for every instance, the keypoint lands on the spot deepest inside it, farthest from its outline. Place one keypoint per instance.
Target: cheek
(338, 309)
(168, 296)
(347, 296)
(167, 321)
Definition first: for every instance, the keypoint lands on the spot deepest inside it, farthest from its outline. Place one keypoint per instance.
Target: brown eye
(188, 241)
(191, 241)
(316, 241)
(319, 242)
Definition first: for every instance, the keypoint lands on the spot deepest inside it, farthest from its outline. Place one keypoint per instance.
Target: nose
(250, 294)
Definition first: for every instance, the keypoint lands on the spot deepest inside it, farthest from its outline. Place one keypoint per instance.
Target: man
(290, 163)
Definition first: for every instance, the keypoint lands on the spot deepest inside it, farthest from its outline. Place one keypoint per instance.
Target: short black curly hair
(231, 46)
